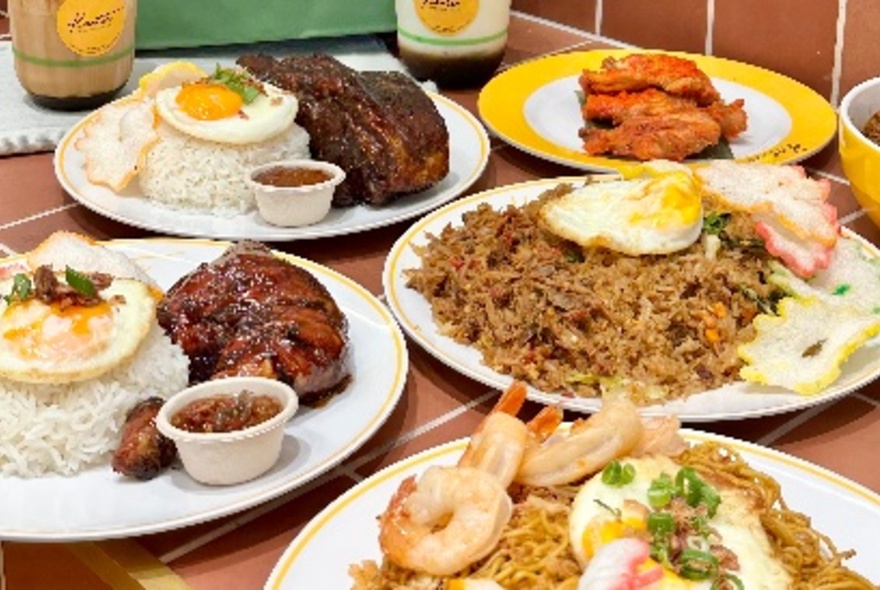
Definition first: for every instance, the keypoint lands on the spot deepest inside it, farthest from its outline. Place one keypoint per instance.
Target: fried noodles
(584, 321)
(535, 551)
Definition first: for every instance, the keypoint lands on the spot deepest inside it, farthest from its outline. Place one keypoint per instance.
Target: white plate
(100, 504)
(320, 555)
(732, 401)
(468, 155)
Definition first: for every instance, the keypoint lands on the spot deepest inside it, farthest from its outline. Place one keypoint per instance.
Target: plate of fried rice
(483, 288)
(326, 555)
(468, 155)
(52, 493)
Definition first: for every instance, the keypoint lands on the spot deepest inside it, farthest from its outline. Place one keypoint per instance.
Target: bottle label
(446, 17)
(90, 27)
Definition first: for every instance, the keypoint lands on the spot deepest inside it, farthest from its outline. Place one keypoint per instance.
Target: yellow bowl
(858, 154)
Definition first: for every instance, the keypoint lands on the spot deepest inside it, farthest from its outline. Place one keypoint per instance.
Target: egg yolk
(675, 200)
(209, 102)
(38, 331)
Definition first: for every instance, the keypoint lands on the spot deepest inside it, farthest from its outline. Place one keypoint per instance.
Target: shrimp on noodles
(589, 445)
(499, 442)
(660, 437)
(471, 507)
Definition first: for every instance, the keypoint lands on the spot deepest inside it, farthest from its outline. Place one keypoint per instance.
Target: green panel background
(192, 23)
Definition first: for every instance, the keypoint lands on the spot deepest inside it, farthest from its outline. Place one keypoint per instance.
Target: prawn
(471, 507)
(499, 442)
(660, 437)
(588, 446)
(618, 566)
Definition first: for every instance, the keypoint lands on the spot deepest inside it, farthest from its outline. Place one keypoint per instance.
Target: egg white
(268, 115)
(41, 343)
(735, 521)
(655, 215)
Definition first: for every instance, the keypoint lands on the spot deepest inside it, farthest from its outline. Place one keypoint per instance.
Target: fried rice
(588, 321)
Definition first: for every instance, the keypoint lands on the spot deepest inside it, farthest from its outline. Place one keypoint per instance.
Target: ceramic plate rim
(276, 234)
(502, 100)
(836, 482)
(396, 387)
(392, 282)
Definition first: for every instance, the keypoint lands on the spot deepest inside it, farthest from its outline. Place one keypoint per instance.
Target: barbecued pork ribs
(252, 313)
(380, 127)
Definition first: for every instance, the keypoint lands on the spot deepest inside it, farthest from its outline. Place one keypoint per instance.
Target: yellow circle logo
(90, 27)
(447, 17)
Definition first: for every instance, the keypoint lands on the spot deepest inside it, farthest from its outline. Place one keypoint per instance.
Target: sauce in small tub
(289, 176)
(226, 412)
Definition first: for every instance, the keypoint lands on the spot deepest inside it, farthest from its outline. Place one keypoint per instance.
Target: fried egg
(212, 111)
(602, 514)
(656, 215)
(45, 343)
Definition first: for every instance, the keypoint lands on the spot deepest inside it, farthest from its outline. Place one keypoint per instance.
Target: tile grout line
(346, 470)
(244, 518)
(7, 250)
(780, 431)
(839, 42)
(866, 399)
(852, 217)
(710, 27)
(579, 32)
(829, 176)
(37, 216)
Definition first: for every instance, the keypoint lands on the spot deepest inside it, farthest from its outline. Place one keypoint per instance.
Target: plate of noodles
(325, 554)
(479, 287)
(536, 107)
(82, 498)
(468, 155)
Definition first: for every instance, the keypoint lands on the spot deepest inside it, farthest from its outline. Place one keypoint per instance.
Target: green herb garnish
(80, 282)
(617, 475)
(661, 524)
(697, 565)
(239, 82)
(21, 289)
(714, 223)
(616, 512)
(723, 578)
(661, 491)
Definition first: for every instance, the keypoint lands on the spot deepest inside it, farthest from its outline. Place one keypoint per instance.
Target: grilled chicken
(380, 127)
(143, 451)
(674, 75)
(622, 106)
(252, 313)
(671, 137)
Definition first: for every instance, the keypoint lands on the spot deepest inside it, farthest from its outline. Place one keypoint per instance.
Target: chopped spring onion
(695, 491)
(615, 511)
(697, 565)
(661, 524)
(80, 282)
(726, 577)
(239, 82)
(617, 475)
(21, 288)
(660, 492)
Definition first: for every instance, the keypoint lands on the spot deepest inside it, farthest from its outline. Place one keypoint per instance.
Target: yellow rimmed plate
(99, 504)
(534, 106)
(320, 555)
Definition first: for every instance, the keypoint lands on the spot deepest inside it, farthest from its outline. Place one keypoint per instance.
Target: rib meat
(379, 127)
(252, 313)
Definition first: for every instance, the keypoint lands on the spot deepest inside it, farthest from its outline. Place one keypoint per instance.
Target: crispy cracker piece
(804, 347)
(804, 257)
(116, 141)
(851, 279)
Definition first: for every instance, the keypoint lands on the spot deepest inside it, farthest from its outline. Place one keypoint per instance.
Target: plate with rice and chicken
(722, 291)
(95, 336)
(173, 156)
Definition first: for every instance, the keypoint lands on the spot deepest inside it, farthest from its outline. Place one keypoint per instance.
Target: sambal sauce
(289, 176)
(226, 413)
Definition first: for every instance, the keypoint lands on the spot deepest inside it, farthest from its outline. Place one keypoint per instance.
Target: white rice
(188, 173)
(66, 428)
